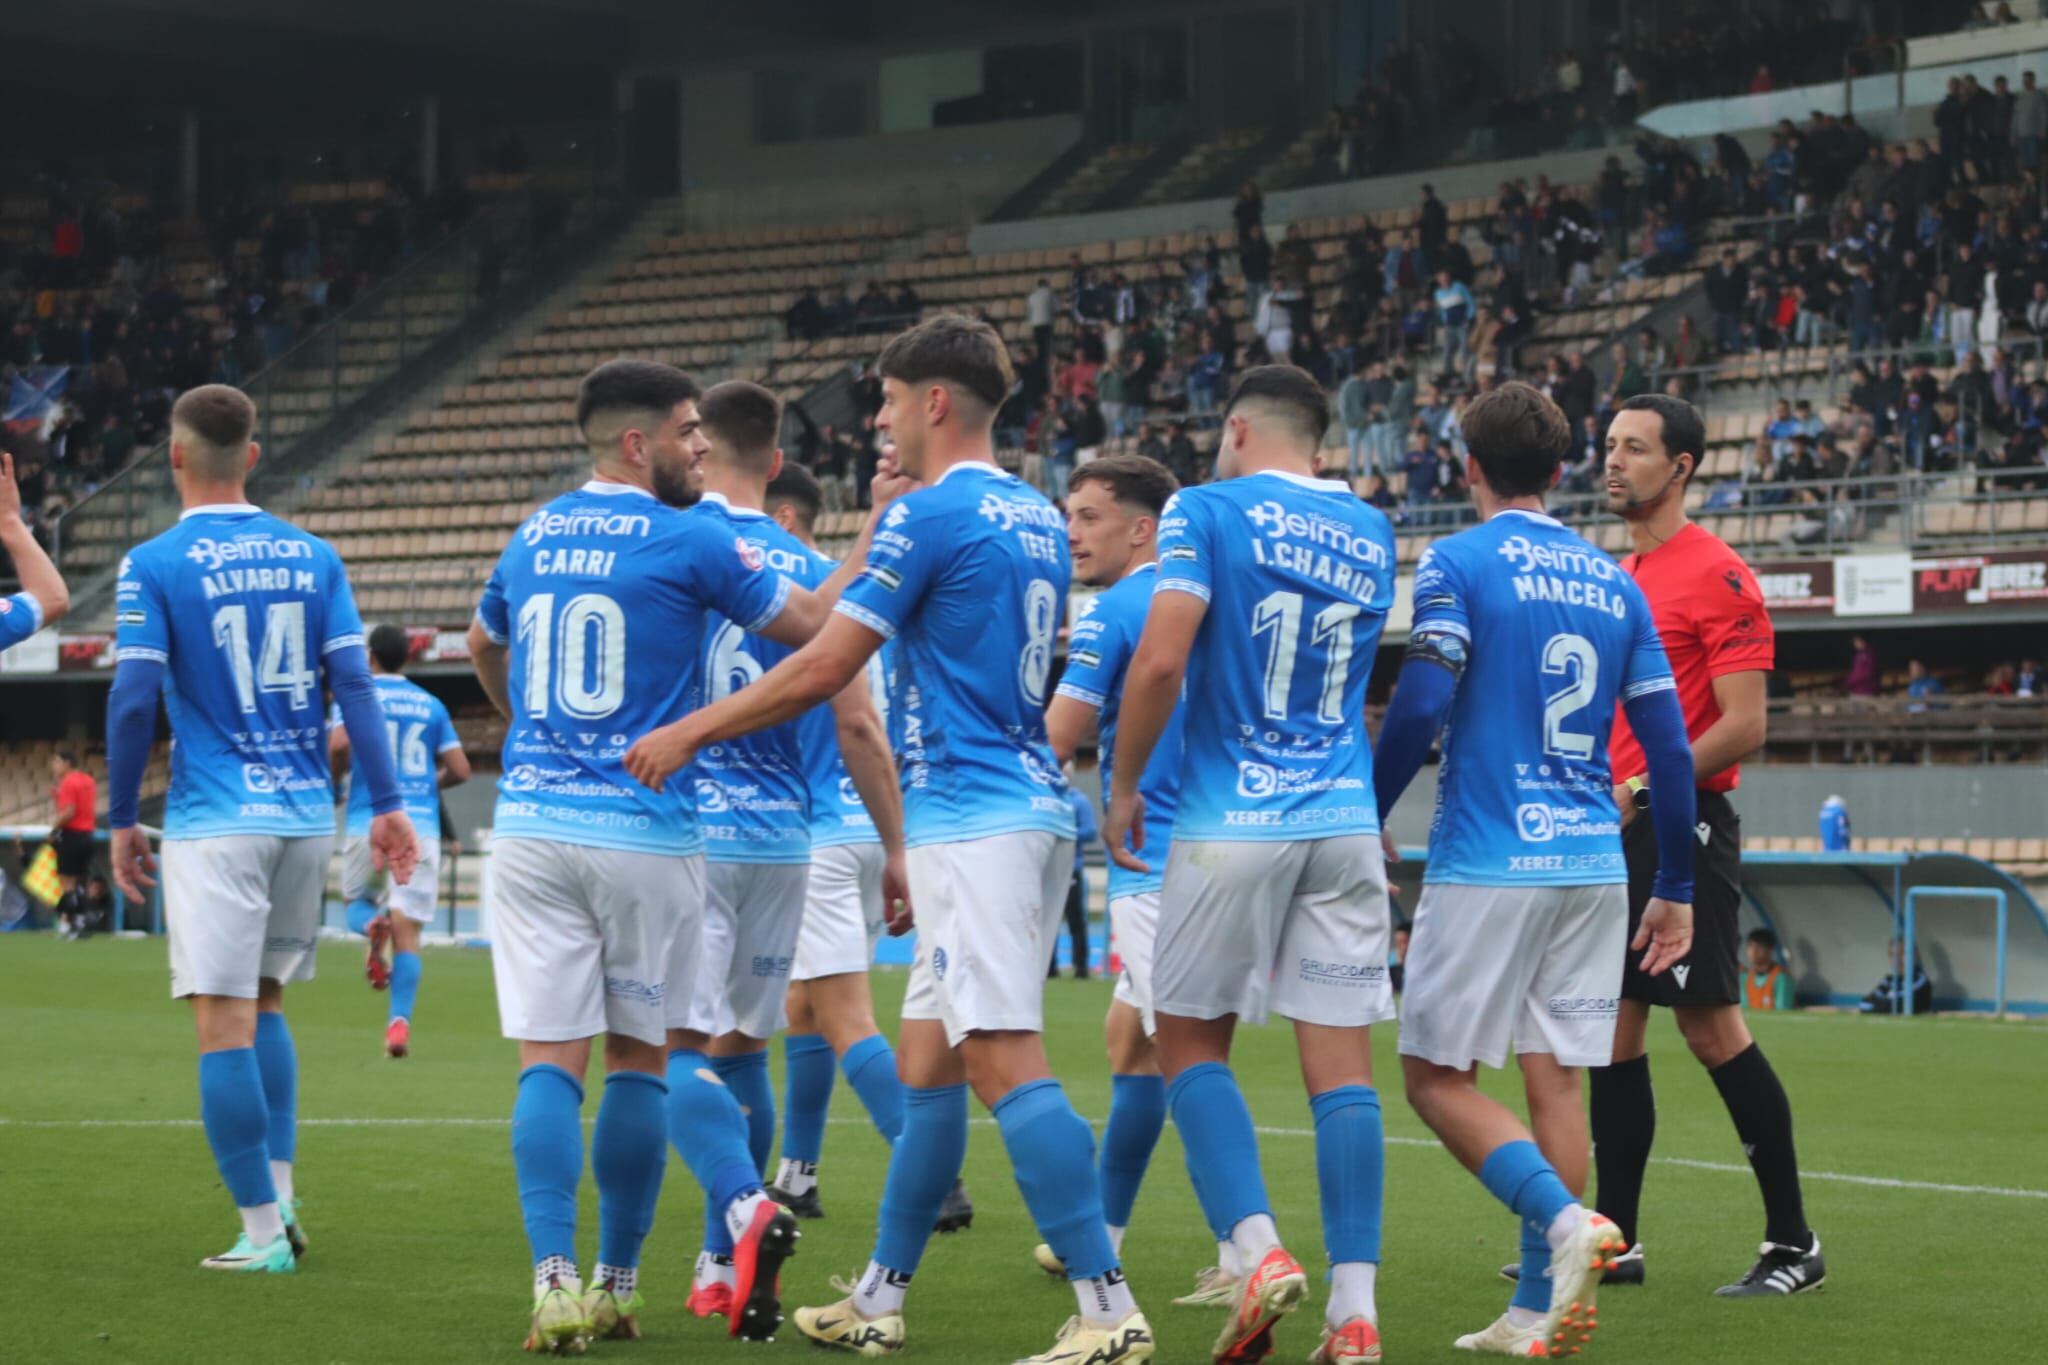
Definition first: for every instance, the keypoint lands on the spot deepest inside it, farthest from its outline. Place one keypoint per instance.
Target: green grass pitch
(108, 1197)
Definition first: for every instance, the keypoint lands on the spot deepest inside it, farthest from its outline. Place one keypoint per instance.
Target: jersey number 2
(1572, 657)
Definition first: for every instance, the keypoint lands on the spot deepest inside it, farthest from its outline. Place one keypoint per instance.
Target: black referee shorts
(1711, 974)
(74, 853)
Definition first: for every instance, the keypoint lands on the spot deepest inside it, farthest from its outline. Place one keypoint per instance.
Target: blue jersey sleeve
(492, 611)
(443, 738)
(344, 623)
(142, 619)
(733, 577)
(20, 617)
(1648, 670)
(901, 565)
(1096, 654)
(1186, 549)
(1442, 607)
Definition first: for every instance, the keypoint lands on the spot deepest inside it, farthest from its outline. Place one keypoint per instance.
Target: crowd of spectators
(95, 291)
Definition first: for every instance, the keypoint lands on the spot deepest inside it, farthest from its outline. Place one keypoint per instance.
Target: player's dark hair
(1765, 937)
(1684, 430)
(631, 386)
(954, 349)
(220, 419)
(390, 646)
(744, 416)
(1288, 390)
(798, 487)
(1137, 481)
(1518, 436)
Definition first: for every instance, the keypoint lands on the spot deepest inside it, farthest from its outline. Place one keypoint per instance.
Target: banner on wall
(1899, 585)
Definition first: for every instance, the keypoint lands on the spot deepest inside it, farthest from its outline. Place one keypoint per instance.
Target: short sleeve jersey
(1551, 635)
(420, 733)
(21, 616)
(753, 796)
(1098, 655)
(1298, 574)
(1711, 616)
(243, 610)
(83, 794)
(838, 815)
(605, 598)
(969, 577)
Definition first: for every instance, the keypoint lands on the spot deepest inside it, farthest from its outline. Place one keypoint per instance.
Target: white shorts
(419, 899)
(1134, 921)
(1535, 966)
(243, 908)
(583, 938)
(842, 912)
(1298, 927)
(988, 911)
(753, 913)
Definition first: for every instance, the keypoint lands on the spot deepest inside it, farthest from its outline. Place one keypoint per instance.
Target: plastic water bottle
(1834, 825)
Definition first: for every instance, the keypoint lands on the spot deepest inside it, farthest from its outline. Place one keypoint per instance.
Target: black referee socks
(1763, 1120)
(1624, 1123)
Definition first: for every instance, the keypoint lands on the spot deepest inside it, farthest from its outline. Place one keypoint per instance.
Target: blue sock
(807, 1060)
(231, 1105)
(1223, 1151)
(710, 1132)
(1052, 1152)
(547, 1154)
(1532, 1290)
(747, 1077)
(405, 984)
(1137, 1114)
(360, 913)
(1516, 1174)
(628, 1151)
(278, 1061)
(870, 1067)
(1351, 1149)
(922, 1169)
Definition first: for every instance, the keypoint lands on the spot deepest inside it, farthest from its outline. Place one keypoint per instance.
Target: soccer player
(429, 758)
(753, 797)
(968, 573)
(237, 619)
(1273, 586)
(43, 598)
(831, 1012)
(1113, 510)
(1720, 643)
(1524, 638)
(592, 628)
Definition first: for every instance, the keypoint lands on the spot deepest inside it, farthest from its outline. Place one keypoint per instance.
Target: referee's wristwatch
(1638, 792)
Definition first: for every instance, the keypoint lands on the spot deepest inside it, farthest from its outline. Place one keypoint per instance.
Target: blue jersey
(606, 597)
(1298, 574)
(1098, 653)
(969, 576)
(20, 617)
(753, 796)
(242, 610)
(420, 733)
(1551, 633)
(838, 815)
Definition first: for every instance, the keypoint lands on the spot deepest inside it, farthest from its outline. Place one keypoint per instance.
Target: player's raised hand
(10, 491)
(890, 482)
(394, 846)
(1666, 931)
(1123, 821)
(898, 915)
(133, 862)
(659, 755)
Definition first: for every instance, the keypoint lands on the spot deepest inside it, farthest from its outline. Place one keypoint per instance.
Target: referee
(75, 799)
(1711, 616)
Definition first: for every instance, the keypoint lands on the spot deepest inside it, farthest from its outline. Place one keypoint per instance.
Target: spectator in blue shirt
(1085, 834)
(1453, 318)
(1920, 685)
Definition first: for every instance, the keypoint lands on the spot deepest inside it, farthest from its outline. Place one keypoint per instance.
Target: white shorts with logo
(1134, 923)
(243, 908)
(988, 911)
(583, 939)
(419, 899)
(1298, 927)
(1538, 967)
(753, 913)
(842, 912)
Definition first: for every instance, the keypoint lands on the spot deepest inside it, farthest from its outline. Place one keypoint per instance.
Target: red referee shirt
(1711, 616)
(83, 793)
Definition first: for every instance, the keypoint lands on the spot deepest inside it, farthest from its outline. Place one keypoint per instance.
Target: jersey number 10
(578, 659)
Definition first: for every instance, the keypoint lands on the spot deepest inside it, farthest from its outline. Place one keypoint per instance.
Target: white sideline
(1832, 1177)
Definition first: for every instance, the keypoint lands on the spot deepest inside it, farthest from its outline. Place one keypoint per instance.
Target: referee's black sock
(1624, 1126)
(1763, 1120)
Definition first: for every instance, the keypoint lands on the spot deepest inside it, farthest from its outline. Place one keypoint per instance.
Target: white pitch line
(1393, 1140)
